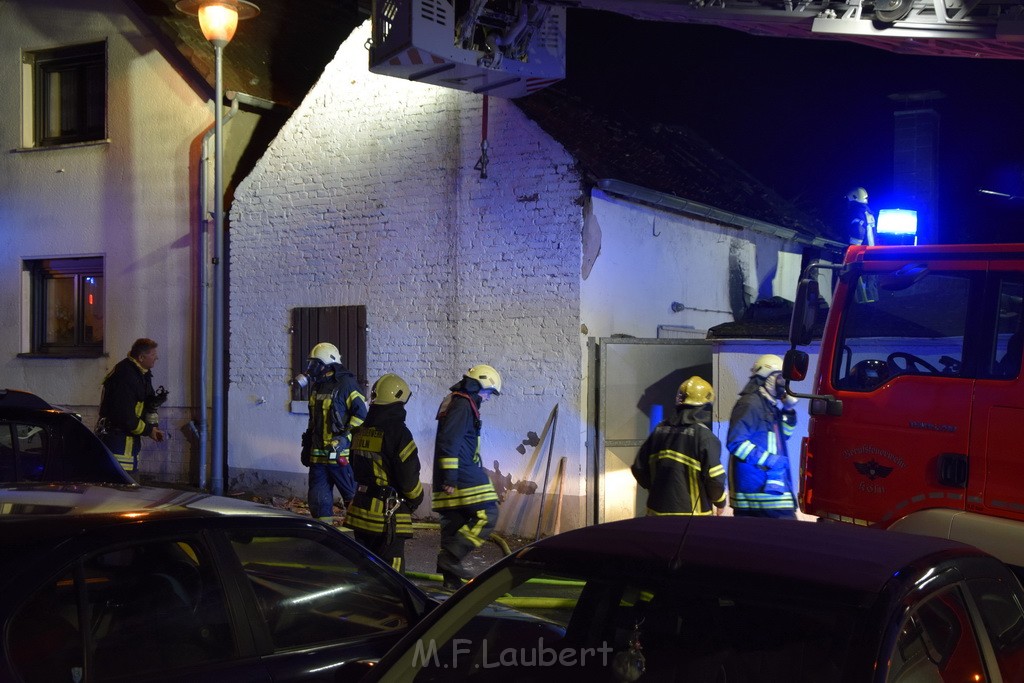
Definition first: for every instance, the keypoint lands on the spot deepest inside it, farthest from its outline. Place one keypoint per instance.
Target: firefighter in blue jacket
(680, 462)
(336, 406)
(463, 495)
(386, 466)
(760, 481)
(128, 405)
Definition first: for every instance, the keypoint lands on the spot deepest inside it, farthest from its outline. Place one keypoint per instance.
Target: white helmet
(487, 376)
(765, 365)
(858, 194)
(390, 388)
(326, 353)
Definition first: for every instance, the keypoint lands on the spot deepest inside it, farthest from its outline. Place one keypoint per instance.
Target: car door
(318, 600)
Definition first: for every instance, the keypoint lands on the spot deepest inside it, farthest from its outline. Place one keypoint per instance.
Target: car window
(686, 629)
(937, 643)
(150, 607)
(309, 592)
(1004, 622)
(22, 448)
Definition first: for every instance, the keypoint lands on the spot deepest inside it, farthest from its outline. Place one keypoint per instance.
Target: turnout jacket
(384, 455)
(457, 455)
(336, 406)
(126, 389)
(680, 464)
(758, 432)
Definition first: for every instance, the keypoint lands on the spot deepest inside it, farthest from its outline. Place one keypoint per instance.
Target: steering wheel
(911, 362)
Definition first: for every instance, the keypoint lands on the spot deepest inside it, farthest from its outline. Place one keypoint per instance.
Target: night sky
(812, 118)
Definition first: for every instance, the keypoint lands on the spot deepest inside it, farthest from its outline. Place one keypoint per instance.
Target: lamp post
(218, 20)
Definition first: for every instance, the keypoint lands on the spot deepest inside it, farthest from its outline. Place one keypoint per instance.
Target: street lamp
(218, 20)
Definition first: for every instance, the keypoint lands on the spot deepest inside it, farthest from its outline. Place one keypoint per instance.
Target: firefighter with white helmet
(336, 406)
(386, 465)
(463, 495)
(760, 426)
(860, 219)
(680, 462)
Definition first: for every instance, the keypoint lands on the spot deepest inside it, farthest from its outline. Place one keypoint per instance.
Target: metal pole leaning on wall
(547, 472)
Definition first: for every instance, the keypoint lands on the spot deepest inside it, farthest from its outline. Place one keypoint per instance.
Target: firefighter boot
(452, 570)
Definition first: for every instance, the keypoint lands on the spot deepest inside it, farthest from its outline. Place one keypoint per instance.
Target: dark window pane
(309, 593)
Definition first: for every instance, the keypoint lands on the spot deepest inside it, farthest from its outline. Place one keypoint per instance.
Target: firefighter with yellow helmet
(386, 465)
(336, 406)
(463, 495)
(761, 423)
(680, 462)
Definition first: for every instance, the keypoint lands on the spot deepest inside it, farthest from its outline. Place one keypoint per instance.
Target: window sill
(67, 354)
(70, 145)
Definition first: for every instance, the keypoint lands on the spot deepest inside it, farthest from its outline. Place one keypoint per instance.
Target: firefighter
(860, 219)
(680, 462)
(463, 495)
(336, 406)
(386, 466)
(128, 405)
(759, 427)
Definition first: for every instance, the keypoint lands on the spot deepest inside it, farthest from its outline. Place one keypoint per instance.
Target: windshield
(956, 324)
(694, 626)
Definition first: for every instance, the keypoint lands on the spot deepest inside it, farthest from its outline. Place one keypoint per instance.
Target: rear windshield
(694, 627)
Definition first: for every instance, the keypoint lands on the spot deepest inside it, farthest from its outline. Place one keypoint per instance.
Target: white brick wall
(369, 196)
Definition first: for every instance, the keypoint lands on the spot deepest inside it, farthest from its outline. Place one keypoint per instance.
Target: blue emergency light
(897, 222)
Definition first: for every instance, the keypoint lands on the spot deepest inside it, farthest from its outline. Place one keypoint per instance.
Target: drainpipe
(202, 429)
(200, 426)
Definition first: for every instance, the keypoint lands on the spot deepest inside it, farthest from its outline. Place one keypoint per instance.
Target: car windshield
(693, 626)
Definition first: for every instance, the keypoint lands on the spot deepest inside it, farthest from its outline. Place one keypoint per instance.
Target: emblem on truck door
(873, 470)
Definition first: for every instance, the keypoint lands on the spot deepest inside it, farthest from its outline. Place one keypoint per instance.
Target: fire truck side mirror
(805, 312)
(795, 364)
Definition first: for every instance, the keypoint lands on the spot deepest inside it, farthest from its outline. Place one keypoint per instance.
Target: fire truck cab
(917, 416)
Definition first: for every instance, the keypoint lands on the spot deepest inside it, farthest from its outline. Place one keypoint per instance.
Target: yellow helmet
(390, 388)
(695, 392)
(487, 376)
(766, 365)
(326, 353)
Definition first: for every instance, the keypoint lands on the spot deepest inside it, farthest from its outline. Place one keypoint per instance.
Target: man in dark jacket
(761, 484)
(386, 466)
(680, 462)
(336, 406)
(128, 405)
(463, 495)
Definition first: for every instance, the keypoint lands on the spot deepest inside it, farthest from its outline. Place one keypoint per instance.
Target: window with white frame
(66, 305)
(68, 94)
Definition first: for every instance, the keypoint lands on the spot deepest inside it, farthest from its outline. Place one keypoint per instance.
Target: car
(40, 442)
(727, 599)
(115, 582)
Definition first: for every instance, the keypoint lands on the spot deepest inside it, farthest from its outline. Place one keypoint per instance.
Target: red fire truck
(917, 416)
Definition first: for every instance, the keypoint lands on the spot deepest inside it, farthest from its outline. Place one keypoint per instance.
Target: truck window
(1003, 362)
(917, 330)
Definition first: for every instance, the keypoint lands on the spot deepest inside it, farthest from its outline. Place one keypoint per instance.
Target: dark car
(130, 583)
(733, 600)
(39, 442)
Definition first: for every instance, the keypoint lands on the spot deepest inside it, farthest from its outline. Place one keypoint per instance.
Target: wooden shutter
(343, 326)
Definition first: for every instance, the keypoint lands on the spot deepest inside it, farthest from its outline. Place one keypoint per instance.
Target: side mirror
(805, 312)
(795, 364)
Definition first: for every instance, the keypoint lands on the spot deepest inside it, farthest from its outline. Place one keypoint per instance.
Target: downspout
(218, 468)
(202, 429)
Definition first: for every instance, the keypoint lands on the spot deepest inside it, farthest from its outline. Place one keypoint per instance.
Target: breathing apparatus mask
(316, 369)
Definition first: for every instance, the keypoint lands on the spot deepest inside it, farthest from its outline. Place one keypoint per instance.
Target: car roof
(53, 509)
(834, 554)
